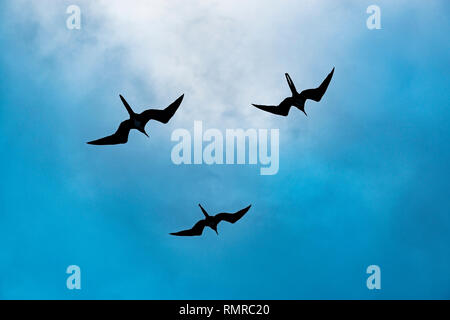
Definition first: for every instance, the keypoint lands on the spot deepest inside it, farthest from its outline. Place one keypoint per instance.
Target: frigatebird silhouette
(298, 99)
(212, 222)
(138, 121)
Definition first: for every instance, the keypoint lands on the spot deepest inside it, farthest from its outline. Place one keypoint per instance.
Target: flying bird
(298, 99)
(138, 121)
(212, 222)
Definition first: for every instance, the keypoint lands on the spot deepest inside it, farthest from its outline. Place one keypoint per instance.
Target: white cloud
(223, 55)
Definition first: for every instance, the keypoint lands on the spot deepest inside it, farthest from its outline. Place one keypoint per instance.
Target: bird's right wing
(231, 217)
(317, 93)
(282, 109)
(196, 230)
(120, 136)
(162, 115)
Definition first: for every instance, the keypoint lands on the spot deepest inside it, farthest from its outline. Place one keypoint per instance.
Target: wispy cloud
(224, 56)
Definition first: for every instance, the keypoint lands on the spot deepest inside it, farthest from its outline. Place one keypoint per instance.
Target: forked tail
(204, 211)
(291, 84)
(127, 106)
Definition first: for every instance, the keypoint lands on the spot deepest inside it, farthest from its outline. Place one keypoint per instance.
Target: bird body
(138, 121)
(212, 222)
(298, 100)
(138, 124)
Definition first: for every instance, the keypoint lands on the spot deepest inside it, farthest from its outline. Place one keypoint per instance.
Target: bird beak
(304, 112)
(146, 134)
(216, 232)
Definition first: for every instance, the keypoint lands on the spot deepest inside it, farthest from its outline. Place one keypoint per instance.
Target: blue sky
(363, 179)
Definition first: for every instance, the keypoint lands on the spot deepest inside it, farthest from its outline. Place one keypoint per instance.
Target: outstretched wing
(282, 109)
(196, 230)
(317, 93)
(120, 136)
(162, 115)
(231, 217)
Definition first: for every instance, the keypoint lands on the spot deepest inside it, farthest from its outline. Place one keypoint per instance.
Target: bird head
(304, 112)
(215, 229)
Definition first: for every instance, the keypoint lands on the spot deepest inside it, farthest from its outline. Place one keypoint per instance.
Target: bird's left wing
(196, 230)
(162, 115)
(231, 217)
(282, 109)
(119, 137)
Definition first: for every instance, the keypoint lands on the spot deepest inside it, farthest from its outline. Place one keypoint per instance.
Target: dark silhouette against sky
(212, 222)
(138, 121)
(298, 99)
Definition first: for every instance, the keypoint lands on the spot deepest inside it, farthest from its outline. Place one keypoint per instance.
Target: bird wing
(282, 109)
(231, 217)
(317, 93)
(196, 230)
(162, 115)
(120, 136)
